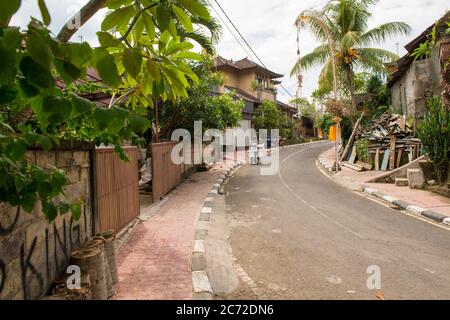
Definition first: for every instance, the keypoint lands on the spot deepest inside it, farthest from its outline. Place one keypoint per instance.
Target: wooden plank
(385, 163)
(366, 166)
(352, 138)
(399, 158)
(377, 160)
(392, 152)
(353, 155)
(353, 166)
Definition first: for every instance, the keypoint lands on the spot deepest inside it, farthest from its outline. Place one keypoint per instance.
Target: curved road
(298, 235)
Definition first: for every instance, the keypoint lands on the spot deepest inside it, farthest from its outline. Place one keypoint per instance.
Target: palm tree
(342, 27)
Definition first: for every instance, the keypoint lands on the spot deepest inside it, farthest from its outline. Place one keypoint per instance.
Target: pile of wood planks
(390, 144)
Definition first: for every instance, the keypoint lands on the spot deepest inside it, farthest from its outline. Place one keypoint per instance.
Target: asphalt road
(298, 235)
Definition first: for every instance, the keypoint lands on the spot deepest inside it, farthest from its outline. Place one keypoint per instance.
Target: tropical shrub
(434, 132)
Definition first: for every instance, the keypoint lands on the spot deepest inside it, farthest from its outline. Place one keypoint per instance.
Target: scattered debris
(388, 144)
(380, 295)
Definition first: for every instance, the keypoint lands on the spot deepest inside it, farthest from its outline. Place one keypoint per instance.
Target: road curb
(409, 207)
(201, 285)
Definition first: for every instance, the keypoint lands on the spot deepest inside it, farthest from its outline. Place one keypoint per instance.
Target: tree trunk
(348, 73)
(79, 19)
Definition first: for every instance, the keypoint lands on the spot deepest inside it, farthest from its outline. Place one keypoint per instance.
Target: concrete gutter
(408, 207)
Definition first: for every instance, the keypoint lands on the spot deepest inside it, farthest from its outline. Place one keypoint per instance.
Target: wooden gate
(165, 174)
(116, 186)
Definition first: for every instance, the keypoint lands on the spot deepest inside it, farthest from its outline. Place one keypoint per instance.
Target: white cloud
(268, 25)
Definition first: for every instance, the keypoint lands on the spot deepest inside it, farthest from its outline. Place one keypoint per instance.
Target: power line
(234, 36)
(245, 41)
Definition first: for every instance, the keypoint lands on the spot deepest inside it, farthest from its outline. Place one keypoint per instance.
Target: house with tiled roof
(252, 83)
(413, 80)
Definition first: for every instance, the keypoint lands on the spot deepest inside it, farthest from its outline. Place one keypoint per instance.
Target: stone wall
(32, 251)
(420, 82)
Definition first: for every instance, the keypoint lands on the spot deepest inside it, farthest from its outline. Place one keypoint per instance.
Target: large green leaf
(80, 54)
(8, 64)
(44, 12)
(28, 202)
(153, 69)
(81, 105)
(11, 37)
(68, 72)
(107, 70)
(187, 55)
(75, 208)
(50, 211)
(116, 18)
(163, 17)
(196, 8)
(35, 73)
(27, 89)
(107, 40)
(8, 94)
(184, 18)
(56, 109)
(7, 9)
(39, 50)
(177, 47)
(138, 123)
(149, 25)
(103, 117)
(132, 61)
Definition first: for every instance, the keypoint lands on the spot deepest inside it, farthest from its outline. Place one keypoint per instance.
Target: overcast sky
(268, 25)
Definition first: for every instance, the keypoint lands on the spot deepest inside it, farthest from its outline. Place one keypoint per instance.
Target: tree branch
(82, 16)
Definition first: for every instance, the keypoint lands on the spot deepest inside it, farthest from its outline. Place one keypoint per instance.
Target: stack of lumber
(389, 137)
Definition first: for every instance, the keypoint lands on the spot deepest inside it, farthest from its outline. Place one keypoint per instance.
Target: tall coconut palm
(342, 27)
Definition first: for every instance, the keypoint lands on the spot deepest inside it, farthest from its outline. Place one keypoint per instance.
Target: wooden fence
(165, 174)
(116, 187)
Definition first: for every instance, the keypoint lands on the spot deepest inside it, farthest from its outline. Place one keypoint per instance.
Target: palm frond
(373, 59)
(384, 32)
(318, 57)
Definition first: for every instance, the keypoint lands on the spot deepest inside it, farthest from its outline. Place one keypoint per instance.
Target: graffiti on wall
(42, 263)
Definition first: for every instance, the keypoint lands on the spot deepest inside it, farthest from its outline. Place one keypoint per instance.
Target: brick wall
(32, 251)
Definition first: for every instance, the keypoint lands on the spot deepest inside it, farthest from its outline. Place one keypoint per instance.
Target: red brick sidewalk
(419, 198)
(155, 262)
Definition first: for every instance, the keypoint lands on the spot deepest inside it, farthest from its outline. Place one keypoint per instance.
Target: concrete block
(199, 246)
(201, 234)
(401, 204)
(416, 210)
(434, 216)
(415, 178)
(198, 262)
(401, 182)
(389, 199)
(207, 210)
(200, 282)
(205, 217)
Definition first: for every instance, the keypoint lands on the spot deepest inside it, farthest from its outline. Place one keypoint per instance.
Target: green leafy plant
(143, 57)
(215, 112)
(362, 150)
(324, 122)
(342, 28)
(268, 116)
(256, 85)
(425, 49)
(434, 133)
